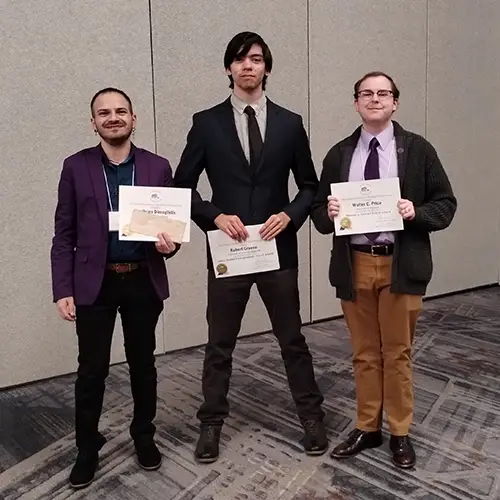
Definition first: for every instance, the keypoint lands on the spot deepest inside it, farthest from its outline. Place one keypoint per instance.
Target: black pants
(133, 295)
(227, 300)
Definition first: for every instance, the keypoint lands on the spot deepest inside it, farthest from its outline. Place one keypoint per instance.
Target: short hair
(109, 90)
(372, 74)
(240, 45)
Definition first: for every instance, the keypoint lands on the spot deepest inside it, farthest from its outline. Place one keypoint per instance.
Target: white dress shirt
(241, 120)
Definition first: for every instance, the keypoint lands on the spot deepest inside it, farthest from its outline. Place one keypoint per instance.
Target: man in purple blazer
(94, 275)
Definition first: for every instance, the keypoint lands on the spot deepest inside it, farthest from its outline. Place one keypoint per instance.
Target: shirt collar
(384, 138)
(240, 105)
(130, 158)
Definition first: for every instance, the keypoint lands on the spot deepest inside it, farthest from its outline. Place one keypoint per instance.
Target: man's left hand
(164, 243)
(406, 209)
(274, 225)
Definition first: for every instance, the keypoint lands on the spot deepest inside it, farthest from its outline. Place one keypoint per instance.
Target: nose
(247, 63)
(114, 116)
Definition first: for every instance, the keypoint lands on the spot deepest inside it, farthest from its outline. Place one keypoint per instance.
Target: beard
(118, 138)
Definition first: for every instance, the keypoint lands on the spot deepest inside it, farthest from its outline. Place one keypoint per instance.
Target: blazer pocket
(419, 266)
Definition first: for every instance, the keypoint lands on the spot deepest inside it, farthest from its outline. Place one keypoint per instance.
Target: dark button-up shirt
(121, 175)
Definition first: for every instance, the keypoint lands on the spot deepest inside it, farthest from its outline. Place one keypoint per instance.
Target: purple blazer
(80, 242)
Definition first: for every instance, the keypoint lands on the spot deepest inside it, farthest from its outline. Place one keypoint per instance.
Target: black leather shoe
(403, 454)
(148, 456)
(356, 442)
(315, 441)
(207, 449)
(82, 473)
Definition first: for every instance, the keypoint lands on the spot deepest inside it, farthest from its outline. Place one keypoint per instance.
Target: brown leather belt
(125, 267)
(376, 250)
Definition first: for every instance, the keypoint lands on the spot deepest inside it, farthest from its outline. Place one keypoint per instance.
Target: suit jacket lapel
(272, 127)
(141, 163)
(229, 128)
(94, 164)
(402, 144)
(346, 152)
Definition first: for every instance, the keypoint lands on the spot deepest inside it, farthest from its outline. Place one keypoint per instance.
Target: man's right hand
(66, 308)
(333, 207)
(232, 226)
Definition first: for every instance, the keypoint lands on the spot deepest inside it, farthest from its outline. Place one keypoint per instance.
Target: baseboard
(192, 348)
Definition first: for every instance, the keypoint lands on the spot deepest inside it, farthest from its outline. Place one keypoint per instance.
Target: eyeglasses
(368, 94)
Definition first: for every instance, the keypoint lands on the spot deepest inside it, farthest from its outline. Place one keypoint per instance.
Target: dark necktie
(254, 138)
(372, 171)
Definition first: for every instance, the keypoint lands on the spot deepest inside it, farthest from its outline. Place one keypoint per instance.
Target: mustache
(113, 123)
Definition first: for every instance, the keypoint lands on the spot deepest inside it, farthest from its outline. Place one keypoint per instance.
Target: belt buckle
(378, 246)
(123, 268)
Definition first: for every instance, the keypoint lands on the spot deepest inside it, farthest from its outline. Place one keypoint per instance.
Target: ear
(94, 127)
(228, 72)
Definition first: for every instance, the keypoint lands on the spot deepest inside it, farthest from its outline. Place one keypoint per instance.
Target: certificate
(231, 258)
(367, 206)
(146, 211)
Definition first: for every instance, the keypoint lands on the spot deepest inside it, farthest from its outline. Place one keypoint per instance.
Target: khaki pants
(382, 327)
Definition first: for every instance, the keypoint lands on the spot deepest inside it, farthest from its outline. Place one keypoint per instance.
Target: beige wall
(56, 54)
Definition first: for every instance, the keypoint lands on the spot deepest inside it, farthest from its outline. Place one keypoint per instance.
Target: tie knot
(374, 144)
(250, 111)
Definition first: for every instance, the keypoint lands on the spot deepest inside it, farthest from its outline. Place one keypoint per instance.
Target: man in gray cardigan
(381, 277)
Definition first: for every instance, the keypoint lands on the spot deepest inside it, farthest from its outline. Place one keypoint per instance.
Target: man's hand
(333, 207)
(274, 225)
(66, 308)
(232, 226)
(164, 243)
(406, 209)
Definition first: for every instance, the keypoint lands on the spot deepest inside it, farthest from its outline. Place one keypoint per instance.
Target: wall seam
(308, 66)
(153, 76)
(427, 43)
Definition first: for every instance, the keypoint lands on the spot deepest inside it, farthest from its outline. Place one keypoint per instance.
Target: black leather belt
(375, 249)
(125, 267)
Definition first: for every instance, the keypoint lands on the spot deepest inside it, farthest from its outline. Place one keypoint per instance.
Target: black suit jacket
(213, 145)
(423, 181)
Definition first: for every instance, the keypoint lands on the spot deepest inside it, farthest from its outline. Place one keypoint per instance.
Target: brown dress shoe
(403, 454)
(356, 442)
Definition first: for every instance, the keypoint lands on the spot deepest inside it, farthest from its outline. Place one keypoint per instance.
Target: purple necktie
(372, 171)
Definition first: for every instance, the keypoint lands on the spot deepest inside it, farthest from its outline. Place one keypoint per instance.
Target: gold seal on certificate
(367, 206)
(345, 223)
(221, 269)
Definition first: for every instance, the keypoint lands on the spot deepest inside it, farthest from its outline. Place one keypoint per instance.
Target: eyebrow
(121, 108)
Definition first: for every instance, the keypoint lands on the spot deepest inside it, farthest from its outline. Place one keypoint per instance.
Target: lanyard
(363, 163)
(107, 185)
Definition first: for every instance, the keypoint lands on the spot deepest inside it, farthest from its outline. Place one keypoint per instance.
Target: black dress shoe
(315, 441)
(82, 473)
(207, 449)
(148, 456)
(356, 442)
(403, 454)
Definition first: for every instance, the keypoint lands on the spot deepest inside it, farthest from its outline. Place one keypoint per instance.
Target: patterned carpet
(456, 431)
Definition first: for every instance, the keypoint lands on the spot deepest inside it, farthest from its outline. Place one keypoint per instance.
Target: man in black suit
(248, 146)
